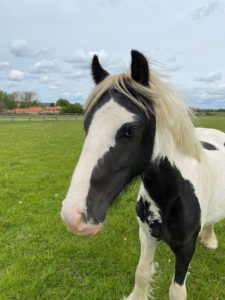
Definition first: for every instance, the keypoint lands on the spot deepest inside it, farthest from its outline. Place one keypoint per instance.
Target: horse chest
(167, 203)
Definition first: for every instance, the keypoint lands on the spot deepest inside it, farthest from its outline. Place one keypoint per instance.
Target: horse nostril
(84, 217)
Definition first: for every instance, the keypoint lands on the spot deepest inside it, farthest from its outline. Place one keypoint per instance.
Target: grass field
(40, 259)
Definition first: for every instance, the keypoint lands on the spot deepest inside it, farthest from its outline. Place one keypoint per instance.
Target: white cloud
(171, 59)
(174, 68)
(208, 96)
(53, 87)
(102, 54)
(46, 66)
(78, 94)
(66, 94)
(210, 77)
(58, 82)
(47, 80)
(16, 75)
(20, 48)
(82, 59)
(43, 52)
(11, 84)
(115, 66)
(77, 57)
(76, 75)
(44, 79)
(4, 65)
(212, 92)
(207, 10)
(217, 91)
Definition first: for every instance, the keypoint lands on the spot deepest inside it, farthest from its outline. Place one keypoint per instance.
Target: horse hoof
(211, 244)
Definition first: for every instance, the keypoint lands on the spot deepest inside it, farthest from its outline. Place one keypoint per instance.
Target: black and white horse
(137, 125)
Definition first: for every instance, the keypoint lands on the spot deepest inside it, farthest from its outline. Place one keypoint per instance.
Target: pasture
(40, 259)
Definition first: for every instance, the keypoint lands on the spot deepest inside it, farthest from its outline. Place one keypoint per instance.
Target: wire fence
(40, 117)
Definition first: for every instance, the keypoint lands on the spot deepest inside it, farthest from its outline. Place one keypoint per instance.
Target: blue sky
(46, 46)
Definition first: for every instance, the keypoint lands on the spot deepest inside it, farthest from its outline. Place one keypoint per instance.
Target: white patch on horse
(101, 136)
(210, 135)
(154, 211)
(177, 292)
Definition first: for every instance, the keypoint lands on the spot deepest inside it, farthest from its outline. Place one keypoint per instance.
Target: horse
(136, 124)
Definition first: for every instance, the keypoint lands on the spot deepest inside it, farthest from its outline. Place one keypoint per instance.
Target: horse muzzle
(74, 218)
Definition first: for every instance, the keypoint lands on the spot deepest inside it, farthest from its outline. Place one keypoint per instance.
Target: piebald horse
(137, 125)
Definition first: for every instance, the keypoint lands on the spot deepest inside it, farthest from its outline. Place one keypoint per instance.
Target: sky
(47, 45)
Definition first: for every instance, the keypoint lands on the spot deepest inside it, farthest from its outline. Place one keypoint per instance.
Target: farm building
(29, 110)
(52, 109)
(35, 110)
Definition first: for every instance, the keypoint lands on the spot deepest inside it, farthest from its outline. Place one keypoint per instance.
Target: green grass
(40, 259)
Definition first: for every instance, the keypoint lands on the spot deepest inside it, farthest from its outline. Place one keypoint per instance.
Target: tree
(18, 99)
(7, 101)
(62, 102)
(73, 108)
(26, 99)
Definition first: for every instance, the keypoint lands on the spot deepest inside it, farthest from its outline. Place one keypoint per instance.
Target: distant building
(36, 110)
(52, 109)
(29, 110)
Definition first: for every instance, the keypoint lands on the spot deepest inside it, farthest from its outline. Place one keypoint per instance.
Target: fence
(40, 117)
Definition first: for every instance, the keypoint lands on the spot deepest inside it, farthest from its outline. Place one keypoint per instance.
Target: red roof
(34, 109)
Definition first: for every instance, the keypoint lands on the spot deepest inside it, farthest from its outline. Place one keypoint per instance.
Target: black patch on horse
(176, 199)
(89, 116)
(208, 146)
(142, 209)
(179, 209)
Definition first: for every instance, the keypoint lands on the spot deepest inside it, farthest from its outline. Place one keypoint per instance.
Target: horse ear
(139, 68)
(98, 73)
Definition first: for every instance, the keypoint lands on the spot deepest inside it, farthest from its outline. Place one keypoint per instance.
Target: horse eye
(130, 132)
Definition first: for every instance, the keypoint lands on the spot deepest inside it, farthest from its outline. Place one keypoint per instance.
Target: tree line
(68, 107)
(207, 111)
(29, 98)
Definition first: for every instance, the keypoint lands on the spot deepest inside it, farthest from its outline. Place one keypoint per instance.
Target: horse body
(215, 161)
(136, 125)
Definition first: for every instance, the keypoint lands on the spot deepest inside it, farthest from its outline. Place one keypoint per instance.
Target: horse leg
(145, 268)
(208, 237)
(183, 254)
